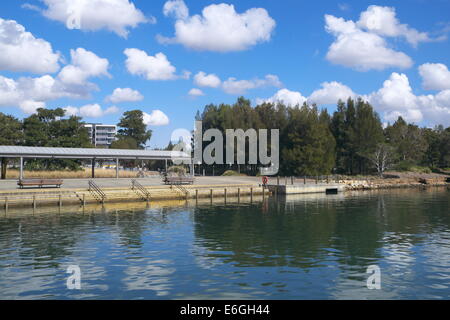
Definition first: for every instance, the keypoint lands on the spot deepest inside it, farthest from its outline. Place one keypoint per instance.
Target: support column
(21, 168)
(117, 168)
(4, 165)
(93, 168)
(166, 165)
(192, 168)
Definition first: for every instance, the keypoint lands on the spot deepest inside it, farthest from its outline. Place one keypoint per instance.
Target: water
(305, 247)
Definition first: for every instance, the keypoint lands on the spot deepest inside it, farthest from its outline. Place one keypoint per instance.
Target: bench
(39, 183)
(178, 180)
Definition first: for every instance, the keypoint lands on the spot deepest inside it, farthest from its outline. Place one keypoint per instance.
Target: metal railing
(180, 189)
(96, 192)
(140, 190)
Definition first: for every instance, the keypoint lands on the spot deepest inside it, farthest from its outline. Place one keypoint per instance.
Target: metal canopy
(90, 153)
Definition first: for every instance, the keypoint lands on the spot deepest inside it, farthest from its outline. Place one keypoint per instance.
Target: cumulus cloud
(93, 15)
(234, 86)
(395, 98)
(361, 50)
(330, 93)
(124, 95)
(71, 82)
(207, 80)
(84, 64)
(156, 67)
(176, 9)
(287, 97)
(90, 111)
(435, 76)
(30, 106)
(156, 118)
(219, 27)
(195, 92)
(21, 51)
(383, 21)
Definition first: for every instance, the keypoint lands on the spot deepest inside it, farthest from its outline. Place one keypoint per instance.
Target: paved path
(125, 182)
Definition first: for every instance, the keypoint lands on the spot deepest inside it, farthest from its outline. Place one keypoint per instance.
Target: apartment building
(101, 135)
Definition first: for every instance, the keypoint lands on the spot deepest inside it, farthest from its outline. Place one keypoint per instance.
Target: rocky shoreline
(415, 181)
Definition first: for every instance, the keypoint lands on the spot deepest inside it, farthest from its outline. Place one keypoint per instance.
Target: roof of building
(89, 153)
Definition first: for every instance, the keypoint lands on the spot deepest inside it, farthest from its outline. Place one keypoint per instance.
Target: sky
(100, 58)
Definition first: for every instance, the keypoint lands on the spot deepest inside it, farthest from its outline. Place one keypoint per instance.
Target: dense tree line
(350, 141)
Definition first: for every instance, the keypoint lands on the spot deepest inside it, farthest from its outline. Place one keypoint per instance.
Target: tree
(133, 126)
(382, 157)
(48, 128)
(11, 134)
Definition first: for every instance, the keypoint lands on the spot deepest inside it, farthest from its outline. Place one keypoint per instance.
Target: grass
(229, 173)
(82, 174)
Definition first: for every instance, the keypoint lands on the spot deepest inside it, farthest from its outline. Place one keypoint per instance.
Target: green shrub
(232, 173)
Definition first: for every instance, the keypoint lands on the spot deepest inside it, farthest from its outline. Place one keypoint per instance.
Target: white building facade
(101, 135)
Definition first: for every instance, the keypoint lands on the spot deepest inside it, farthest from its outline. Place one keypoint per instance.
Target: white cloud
(396, 98)
(71, 82)
(234, 86)
(219, 27)
(290, 98)
(195, 92)
(124, 95)
(30, 106)
(113, 15)
(90, 111)
(383, 21)
(207, 80)
(84, 64)
(156, 67)
(435, 76)
(176, 8)
(21, 51)
(361, 50)
(156, 118)
(330, 93)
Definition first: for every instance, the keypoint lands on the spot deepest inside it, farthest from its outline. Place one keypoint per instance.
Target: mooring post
(6, 203)
(278, 181)
(84, 200)
(304, 179)
(60, 200)
(196, 195)
(225, 195)
(251, 194)
(285, 181)
(292, 180)
(34, 202)
(317, 179)
(239, 195)
(264, 193)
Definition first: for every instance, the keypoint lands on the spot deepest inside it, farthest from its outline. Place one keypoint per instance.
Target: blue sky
(395, 54)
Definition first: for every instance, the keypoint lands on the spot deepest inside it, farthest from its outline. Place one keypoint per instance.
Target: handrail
(96, 192)
(182, 189)
(137, 187)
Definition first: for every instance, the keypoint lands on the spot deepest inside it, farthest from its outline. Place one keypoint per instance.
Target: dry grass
(82, 174)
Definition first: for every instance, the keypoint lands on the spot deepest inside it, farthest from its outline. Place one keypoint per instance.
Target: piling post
(84, 200)
(304, 179)
(292, 180)
(285, 181)
(278, 181)
(60, 200)
(225, 195)
(196, 195)
(251, 194)
(34, 202)
(6, 203)
(239, 195)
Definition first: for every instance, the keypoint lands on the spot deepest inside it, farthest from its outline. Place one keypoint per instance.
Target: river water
(302, 247)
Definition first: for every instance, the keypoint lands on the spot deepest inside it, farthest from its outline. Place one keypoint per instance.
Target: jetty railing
(140, 190)
(96, 192)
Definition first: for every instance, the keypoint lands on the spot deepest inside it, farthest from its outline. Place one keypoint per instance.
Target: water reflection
(297, 247)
